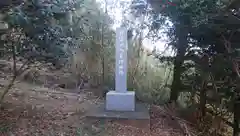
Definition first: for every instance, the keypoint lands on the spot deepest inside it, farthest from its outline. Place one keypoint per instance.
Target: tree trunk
(236, 113)
(203, 99)
(6, 90)
(14, 72)
(103, 49)
(176, 80)
(181, 33)
(103, 59)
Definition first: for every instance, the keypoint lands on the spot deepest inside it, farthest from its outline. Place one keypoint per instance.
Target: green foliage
(44, 38)
(203, 71)
(4, 128)
(209, 68)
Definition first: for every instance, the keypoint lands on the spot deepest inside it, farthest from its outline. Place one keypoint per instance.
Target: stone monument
(121, 99)
(120, 103)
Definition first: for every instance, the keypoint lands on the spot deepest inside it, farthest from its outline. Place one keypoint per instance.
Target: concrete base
(116, 101)
(141, 113)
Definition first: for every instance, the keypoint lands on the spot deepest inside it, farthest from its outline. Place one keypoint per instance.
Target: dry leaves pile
(63, 115)
(33, 110)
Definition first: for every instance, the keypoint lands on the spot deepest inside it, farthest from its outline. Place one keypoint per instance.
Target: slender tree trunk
(102, 40)
(179, 59)
(14, 72)
(203, 99)
(7, 89)
(236, 113)
(103, 57)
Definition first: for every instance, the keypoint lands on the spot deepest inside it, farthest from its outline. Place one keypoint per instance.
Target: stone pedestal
(120, 101)
(140, 113)
(121, 104)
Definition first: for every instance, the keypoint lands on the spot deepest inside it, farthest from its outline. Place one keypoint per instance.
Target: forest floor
(34, 110)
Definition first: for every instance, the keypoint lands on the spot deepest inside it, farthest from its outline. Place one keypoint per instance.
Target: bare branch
(227, 45)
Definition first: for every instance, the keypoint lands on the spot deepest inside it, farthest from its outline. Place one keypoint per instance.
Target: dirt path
(32, 110)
